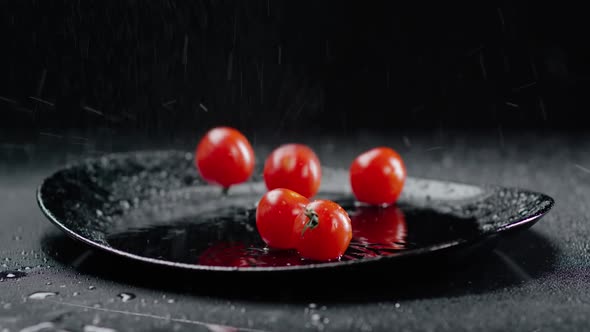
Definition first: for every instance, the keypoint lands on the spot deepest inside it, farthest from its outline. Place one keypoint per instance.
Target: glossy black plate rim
(521, 223)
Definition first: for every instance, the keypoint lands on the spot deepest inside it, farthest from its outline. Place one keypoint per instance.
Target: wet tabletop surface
(533, 281)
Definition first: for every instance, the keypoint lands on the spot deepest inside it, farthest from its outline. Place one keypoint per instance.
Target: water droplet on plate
(42, 295)
(126, 297)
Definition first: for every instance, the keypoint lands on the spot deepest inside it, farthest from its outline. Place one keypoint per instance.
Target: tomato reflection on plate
(237, 254)
(379, 225)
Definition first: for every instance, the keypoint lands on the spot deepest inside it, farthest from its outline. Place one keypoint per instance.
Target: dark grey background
(291, 65)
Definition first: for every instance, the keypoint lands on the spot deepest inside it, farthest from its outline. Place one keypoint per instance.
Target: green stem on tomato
(313, 221)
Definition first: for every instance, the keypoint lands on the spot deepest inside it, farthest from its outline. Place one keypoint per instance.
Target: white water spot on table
(221, 328)
(126, 297)
(38, 327)
(125, 205)
(41, 295)
(93, 328)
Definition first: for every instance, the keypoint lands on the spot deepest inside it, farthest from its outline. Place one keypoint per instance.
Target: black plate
(153, 207)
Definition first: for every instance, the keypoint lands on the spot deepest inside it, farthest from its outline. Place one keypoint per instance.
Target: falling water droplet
(171, 300)
(76, 293)
(126, 297)
(17, 238)
(42, 295)
(91, 287)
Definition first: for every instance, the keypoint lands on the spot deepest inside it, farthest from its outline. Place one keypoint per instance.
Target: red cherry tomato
(377, 225)
(275, 215)
(295, 167)
(225, 157)
(323, 231)
(377, 176)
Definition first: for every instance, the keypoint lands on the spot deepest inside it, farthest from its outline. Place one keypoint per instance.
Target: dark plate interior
(153, 207)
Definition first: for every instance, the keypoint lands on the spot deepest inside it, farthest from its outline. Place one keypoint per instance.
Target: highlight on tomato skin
(275, 214)
(323, 231)
(377, 176)
(293, 166)
(225, 157)
(379, 225)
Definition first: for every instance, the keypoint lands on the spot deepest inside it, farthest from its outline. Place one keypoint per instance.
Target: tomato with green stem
(377, 176)
(295, 167)
(224, 157)
(275, 215)
(323, 231)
